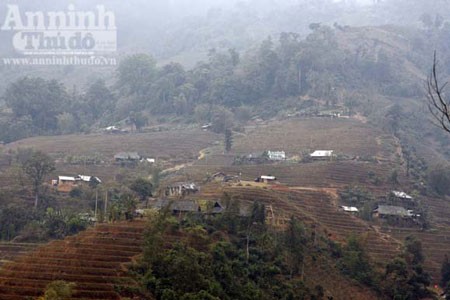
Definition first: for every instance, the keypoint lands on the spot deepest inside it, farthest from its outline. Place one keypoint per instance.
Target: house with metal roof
(181, 189)
(276, 155)
(392, 211)
(66, 184)
(266, 179)
(322, 154)
(350, 209)
(402, 195)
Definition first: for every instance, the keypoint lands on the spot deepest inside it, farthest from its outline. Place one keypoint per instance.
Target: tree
(295, 240)
(39, 99)
(439, 180)
(445, 272)
(228, 140)
(37, 167)
(98, 100)
(437, 105)
(58, 290)
(355, 262)
(413, 250)
(138, 119)
(143, 188)
(136, 74)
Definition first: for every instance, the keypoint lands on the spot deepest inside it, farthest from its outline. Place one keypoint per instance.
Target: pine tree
(228, 140)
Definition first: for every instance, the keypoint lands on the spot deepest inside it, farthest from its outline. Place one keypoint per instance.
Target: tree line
(228, 87)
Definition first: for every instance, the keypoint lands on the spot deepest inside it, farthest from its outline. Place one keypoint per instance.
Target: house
(127, 157)
(385, 211)
(86, 178)
(402, 195)
(177, 207)
(66, 184)
(266, 179)
(207, 126)
(276, 155)
(322, 154)
(181, 190)
(350, 209)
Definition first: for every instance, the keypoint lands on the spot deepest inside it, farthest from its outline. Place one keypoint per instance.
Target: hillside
(94, 260)
(308, 190)
(195, 99)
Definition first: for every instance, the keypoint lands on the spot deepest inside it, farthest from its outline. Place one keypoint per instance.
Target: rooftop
(393, 211)
(402, 195)
(322, 153)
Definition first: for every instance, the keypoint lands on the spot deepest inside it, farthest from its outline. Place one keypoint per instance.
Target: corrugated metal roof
(276, 155)
(322, 153)
(350, 209)
(393, 211)
(402, 195)
(66, 178)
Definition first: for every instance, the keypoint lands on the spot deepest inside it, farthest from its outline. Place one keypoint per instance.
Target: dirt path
(201, 155)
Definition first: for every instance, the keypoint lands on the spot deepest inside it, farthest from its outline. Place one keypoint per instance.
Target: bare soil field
(179, 144)
(344, 136)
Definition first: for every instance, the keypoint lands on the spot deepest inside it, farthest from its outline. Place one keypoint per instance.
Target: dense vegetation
(225, 257)
(231, 256)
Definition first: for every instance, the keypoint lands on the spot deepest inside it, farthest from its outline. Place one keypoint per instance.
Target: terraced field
(317, 174)
(9, 251)
(348, 137)
(318, 208)
(179, 144)
(94, 260)
(435, 242)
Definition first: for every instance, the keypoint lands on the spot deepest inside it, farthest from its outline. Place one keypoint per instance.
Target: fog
(168, 29)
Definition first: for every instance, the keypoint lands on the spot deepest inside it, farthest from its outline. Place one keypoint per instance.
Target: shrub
(439, 180)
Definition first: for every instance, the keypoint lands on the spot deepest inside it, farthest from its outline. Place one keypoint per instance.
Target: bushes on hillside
(225, 257)
(439, 180)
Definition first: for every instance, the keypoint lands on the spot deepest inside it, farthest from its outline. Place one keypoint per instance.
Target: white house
(402, 195)
(276, 155)
(266, 179)
(350, 209)
(322, 154)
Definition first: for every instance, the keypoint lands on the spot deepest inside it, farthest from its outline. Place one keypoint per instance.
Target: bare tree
(437, 104)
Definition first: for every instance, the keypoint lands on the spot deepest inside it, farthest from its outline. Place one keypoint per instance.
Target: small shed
(402, 195)
(322, 154)
(350, 209)
(266, 179)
